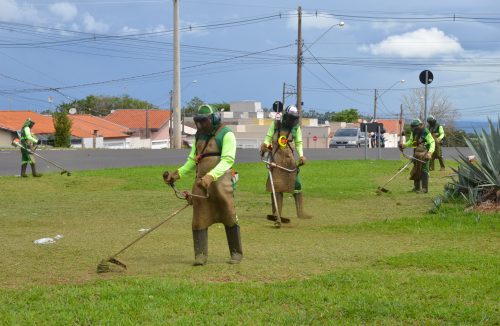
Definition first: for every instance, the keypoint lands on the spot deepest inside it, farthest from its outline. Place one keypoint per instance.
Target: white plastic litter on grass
(44, 241)
(143, 230)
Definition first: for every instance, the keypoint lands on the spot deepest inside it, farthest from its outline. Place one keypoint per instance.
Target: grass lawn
(362, 259)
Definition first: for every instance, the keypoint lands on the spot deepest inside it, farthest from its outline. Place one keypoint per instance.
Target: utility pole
(401, 124)
(375, 99)
(170, 129)
(177, 80)
(283, 101)
(425, 97)
(299, 65)
(147, 123)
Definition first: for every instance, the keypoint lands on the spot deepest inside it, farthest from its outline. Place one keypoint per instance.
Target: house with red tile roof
(89, 131)
(12, 121)
(145, 124)
(86, 131)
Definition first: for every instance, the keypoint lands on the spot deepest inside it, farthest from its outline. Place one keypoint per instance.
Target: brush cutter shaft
(278, 213)
(412, 157)
(151, 230)
(397, 173)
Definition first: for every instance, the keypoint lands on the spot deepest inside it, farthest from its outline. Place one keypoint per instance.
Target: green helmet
(416, 122)
(431, 119)
(206, 111)
(28, 123)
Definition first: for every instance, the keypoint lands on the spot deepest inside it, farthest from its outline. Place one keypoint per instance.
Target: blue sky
(245, 50)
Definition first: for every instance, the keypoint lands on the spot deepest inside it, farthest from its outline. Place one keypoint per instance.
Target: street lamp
(376, 97)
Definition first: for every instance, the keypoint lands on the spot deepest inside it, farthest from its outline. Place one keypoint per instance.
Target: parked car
(348, 138)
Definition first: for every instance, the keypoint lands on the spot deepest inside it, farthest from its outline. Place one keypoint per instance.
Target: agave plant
(479, 179)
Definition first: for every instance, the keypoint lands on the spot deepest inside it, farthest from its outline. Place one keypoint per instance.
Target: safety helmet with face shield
(431, 120)
(291, 116)
(206, 119)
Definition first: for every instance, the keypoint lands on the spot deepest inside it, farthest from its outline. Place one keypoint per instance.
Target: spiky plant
(479, 179)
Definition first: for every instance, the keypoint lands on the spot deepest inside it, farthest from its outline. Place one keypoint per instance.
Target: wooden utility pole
(177, 79)
(375, 99)
(299, 64)
(401, 124)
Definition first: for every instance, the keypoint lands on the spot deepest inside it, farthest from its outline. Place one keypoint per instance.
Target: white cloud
(129, 30)
(158, 28)
(92, 25)
(422, 43)
(66, 11)
(11, 11)
(312, 20)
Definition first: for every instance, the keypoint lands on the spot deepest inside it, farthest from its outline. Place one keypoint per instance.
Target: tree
(322, 117)
(222, 105)
(438, 105)
(62, 126)
(347, 115)
(102, 105)
(192, 106)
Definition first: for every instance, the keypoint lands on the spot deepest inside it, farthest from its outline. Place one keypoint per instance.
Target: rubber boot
(431, 165)
(416, 186)
(299, 205)
(200, 240)
(23, 170)
(33, 170)
(274, 216)
(425, 182)
(234, 243)
(441, 164)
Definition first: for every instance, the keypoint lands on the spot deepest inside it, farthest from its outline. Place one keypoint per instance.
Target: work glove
(171, 178)
(302, 161)
(205, 181)
(265, 148)
(428, 156)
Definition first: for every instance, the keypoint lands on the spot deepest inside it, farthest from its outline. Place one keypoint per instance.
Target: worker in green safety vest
(28, 141)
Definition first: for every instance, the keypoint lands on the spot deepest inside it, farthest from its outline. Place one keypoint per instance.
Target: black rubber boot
(441, 164)
(200, 240)
(23, 170)
(416, 186)
(33, 170)
(234, 243)
(425, 182)
(274, 216)
(299, 205)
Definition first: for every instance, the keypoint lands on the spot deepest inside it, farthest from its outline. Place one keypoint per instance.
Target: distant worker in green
(212, 157)
(437, 132)
(282, 141)
(423, 143)
(28, 141)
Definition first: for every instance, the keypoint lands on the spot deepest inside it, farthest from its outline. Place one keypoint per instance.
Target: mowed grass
(363, 258)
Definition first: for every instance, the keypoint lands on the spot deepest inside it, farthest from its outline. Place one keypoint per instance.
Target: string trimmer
(381, 189)
(104, 265)
(63, 170)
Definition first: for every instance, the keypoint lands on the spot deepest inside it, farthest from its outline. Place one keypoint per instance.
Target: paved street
(89, 159)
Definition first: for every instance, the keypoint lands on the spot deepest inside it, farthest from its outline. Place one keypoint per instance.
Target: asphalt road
(89, 159)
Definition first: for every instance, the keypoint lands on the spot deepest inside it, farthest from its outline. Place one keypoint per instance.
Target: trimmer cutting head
(105, 267)
(381, 190)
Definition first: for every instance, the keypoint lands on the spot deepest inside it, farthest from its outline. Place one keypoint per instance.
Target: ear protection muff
(216, 118)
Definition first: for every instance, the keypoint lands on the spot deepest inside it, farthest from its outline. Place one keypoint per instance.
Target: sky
(53, 52)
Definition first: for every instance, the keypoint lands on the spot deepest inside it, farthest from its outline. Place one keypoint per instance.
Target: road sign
(430, 77)
(315, 138)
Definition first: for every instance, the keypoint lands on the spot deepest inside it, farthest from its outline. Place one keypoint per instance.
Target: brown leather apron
(284, 181)
(219, 207)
